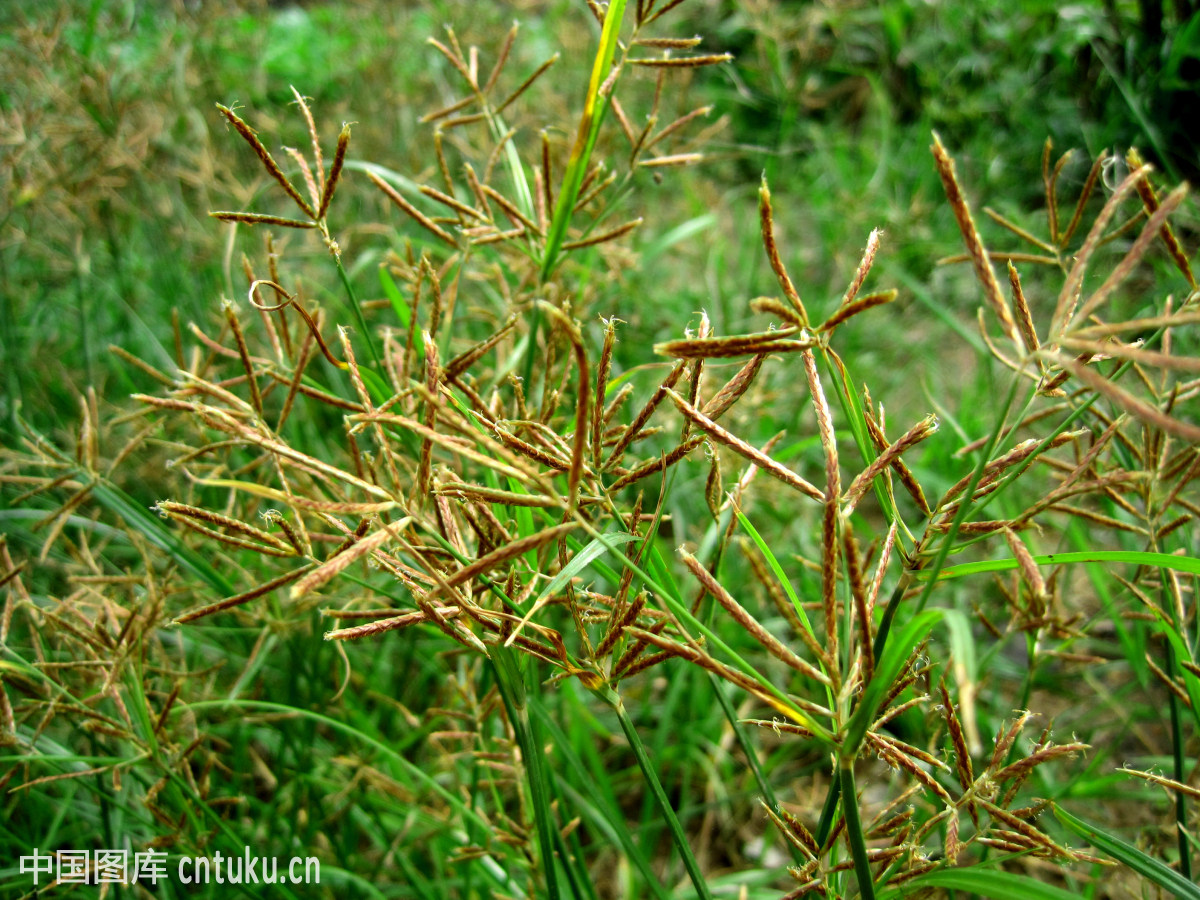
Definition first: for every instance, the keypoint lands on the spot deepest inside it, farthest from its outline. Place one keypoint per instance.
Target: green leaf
(986, 883)
(1146, 866)
(899, 648)
(399, 304)
(1188, 564)
(152, 528)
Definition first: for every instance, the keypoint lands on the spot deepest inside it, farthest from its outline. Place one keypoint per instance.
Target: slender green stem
(858, 843)
(1185, 851)
(660, 796)
(359, 318)
(512, 691)
(743, 740)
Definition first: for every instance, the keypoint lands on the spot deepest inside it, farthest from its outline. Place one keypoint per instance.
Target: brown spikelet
(419, 217)
(1069, 295)
(268, 162)
(683, 62)
(246, 596)
(734, 388)
(604, 237)
(857, 305)
(770, 466)
(246, 218)
(743, 617)
(864, 267)
(862, 482)
(525, 85)
(331, 568)
(979, 256)
(335, 170)
(829, 522)
(610, 337)
(1151, 231)
(665, 461)
(644, 414)
(767, 226)
(1150, 201)
(735, 345)
(1085, 194)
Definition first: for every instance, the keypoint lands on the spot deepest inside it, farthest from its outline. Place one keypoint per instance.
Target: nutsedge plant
(464, 456)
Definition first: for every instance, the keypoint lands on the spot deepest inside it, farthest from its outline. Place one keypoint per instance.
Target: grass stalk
(660, 796)
(511, 683)
(854, 831)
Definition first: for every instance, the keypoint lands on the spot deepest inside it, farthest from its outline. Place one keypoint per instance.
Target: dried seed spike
(509, 208)
(468, 358)
(806, 844)
(777, 308)
(679, 123)
(623, 121)
(537, 73)
(1024, 316)
(1019, 231)
(1073, 285)
(1129, 402)
(715, 431)
(1152, 229)
(260, 219)
(1085, 194)
(421, 219)
(662, 43)
(829, 548)
(962, 756)
(734, 388)
(431, 384)
(677, 159)
(767, 224)
(1058, 167)
(335, 170)
(856, 306)
(643, 416)
(610, 235)
(1150, 202)
(501, 58)
(1048, 185)
(858, 592)
(763, 342)
(453, 56)
(302, 102)
(244, 354)
(306, 171)
(864, 266)
(579, 444)
(863, 481)
(245, 597)
(979, 256)
(268, 162)
(610, 338)
(599, 187)
(184, 514)
(640, 140)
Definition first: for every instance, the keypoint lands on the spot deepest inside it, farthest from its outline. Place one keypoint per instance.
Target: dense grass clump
(490, 492)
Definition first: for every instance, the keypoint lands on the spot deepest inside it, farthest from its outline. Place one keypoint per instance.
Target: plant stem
(660, 796)
(858, 844)
(512, 690)
(358, 313)
(1185, 852)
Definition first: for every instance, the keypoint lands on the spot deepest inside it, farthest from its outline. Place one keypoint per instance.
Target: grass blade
(1146, 866)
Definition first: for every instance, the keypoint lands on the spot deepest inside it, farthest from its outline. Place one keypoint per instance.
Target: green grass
(450, 761)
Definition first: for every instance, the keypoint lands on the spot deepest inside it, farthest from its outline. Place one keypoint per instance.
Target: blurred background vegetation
(112, 153)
